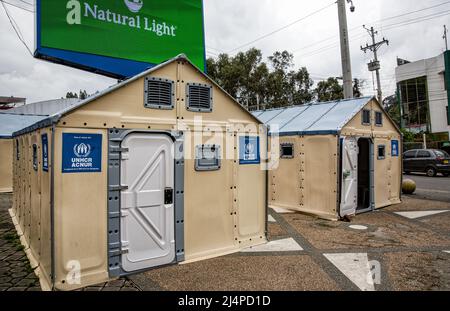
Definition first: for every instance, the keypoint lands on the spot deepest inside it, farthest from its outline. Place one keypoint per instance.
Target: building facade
(423, 89)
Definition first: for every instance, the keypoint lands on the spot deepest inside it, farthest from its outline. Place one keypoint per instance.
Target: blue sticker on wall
(395, 148)
(82, 153)
(44, 139)
(249, 150)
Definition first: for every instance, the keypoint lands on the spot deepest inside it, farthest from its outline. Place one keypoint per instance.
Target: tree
(392, 107)
(71, 95)
(329, 90)
(357, 84)
(251, 81)
(81, 95)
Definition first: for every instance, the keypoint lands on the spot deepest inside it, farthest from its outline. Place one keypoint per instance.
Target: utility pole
(445, 37)
(375, 64)
(345, 48)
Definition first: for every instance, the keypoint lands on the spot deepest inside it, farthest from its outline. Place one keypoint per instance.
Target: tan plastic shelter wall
(225, 210)
(307, 182)
(6, 150)
(31, 203)
(388, 171)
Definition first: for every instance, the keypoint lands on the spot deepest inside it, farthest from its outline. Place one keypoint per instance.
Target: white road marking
(284, 245)
(448, 252)
(271, 219)
(419, 214)
(355, 267)
(358, 227)
(280, 210)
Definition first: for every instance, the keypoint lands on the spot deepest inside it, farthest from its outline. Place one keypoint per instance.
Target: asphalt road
(432, 188)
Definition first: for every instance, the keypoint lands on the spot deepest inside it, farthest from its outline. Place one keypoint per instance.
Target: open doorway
(364, 174)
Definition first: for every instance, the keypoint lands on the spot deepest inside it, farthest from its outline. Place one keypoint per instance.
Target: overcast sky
(231, 24)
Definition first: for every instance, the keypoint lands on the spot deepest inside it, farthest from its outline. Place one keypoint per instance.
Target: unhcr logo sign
(82, 153)
(77, 11)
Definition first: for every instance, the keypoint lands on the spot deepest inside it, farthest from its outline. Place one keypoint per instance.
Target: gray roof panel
(10, 123)
(43, 108)
(328, 117)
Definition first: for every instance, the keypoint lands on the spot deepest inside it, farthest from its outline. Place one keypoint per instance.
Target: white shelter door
(349, 191)
(147, 212)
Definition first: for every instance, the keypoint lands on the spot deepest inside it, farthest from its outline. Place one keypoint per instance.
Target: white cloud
(232, 23)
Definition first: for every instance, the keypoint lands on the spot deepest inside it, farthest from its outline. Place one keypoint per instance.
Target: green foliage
(81, 95)
(274, 83)
(408, 136)
(329, 90)
(250, 80)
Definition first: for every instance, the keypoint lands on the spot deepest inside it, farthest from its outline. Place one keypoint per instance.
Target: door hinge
(124, 251)
(168, 196)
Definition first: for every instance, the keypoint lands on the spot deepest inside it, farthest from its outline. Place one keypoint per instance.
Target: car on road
(429, 161)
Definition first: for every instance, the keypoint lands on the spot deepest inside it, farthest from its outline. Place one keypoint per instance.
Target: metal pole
(345, 50)
(445, 37)
(375, 55)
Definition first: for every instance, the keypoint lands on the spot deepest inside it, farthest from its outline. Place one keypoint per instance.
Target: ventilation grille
(159, 93)
(199, 97)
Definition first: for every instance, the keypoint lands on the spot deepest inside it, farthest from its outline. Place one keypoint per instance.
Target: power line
(282, 28)
(17, 6)
(16, 30)
(389, 27)
(377, 22)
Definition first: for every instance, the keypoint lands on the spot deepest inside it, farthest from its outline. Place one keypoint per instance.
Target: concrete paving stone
(239, 273)
(129, 289)
(283, 245)
(385, 230)
(115, 283)
(92, 289)
(17, 289)
(275, 230)
(5, 279)
(416, 271)
(19, 274)
(110, 289)
(26, 283)
(34, 289)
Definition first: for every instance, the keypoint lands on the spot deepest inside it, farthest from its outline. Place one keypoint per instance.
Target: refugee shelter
(13, 120)
(336, 158)
(140, 176)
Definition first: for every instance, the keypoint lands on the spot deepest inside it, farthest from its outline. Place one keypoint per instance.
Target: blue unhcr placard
(82, 153)
(249, 150)
(394, 148)
(44, 139)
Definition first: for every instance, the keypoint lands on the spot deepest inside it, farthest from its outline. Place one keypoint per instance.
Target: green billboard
(140, 31)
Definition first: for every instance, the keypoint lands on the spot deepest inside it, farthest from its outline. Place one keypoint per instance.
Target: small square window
(366, 117)
(287, 151)
(378, 118)
(381, 152)
(207, 158)
(35, 157)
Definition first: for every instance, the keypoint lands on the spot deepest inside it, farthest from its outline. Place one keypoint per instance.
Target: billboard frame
(112, 67)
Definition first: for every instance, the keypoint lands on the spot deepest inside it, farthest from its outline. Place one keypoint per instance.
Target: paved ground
(403, 247)
(15, 271)
(434, 188)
